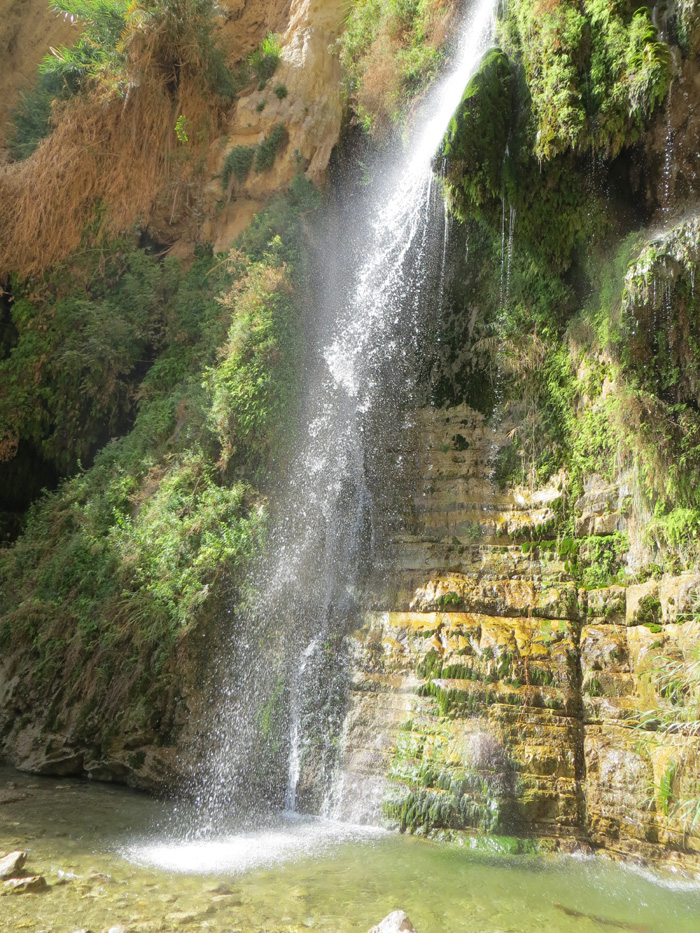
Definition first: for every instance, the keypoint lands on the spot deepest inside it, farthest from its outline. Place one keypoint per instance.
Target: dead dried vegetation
(114, 157)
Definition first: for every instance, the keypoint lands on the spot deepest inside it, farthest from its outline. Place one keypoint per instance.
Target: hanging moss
(595, 71)
(475, 144)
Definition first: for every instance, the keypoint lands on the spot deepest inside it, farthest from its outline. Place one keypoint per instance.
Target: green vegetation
(430, 792)
(125, 556)
(263, 61)
(241, 159)
(477, 138)
(594, 71)
(237, 165)
(586, 337)
(267, 150)
(390, 51)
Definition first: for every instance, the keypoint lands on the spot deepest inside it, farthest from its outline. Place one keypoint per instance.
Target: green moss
(594, 71)
(477, 137)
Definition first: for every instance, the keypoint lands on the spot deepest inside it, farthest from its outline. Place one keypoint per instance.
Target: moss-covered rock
(476, 141)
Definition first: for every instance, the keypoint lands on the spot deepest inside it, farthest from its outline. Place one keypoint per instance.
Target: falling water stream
(283, 672)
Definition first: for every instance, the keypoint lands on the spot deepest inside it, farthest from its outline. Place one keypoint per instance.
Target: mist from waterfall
(282, 677)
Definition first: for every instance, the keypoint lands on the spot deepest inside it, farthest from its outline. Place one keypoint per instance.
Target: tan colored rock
(618, 778)
(584, 525)
(222, 229)
(311, 113)
(608, 524)
(11, 864)
(679, 596)
(599, 496)
(29, 885)
(608, 604)
(603, 648)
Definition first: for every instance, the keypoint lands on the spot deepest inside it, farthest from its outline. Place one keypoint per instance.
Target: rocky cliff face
(304, 98)
(496, 693)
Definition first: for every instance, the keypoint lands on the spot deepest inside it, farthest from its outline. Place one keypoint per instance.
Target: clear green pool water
(108, 863)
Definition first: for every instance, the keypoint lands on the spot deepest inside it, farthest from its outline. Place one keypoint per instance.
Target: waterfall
(283, 674)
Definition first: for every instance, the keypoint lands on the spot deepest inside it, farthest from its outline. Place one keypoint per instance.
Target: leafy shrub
(253, 381)
(267, 150)
(391, 50)
(238, 164)
(264, 60)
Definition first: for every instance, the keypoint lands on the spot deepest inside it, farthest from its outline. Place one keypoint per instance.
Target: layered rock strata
(493, 692)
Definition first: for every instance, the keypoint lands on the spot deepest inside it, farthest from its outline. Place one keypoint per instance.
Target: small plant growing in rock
(448, 599)
(238, 164)
(281, 91)
(264, 60)
(649, 611)
(268, 149)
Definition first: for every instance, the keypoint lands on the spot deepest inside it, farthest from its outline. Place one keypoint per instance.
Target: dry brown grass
(119, 154)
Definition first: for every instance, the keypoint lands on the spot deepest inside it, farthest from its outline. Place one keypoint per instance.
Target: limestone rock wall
(490, 690)
(310, 111)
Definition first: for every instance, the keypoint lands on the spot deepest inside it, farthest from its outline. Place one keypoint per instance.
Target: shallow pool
(110, 859)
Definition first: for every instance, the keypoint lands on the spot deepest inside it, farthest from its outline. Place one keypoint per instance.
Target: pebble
(395, 922)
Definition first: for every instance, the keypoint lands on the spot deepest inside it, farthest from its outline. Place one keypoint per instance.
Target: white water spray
(290, 664)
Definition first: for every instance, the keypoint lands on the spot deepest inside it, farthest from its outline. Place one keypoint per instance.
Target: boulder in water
(11, 864)
(396, 922)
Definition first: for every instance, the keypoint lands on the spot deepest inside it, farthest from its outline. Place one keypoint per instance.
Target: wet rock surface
(495, 693)
(30, 884)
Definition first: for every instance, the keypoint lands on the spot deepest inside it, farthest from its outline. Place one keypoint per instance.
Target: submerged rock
(11, 864)
(395, 922)
(25, 885)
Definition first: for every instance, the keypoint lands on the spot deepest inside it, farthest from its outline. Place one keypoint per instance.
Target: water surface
(108, 860)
